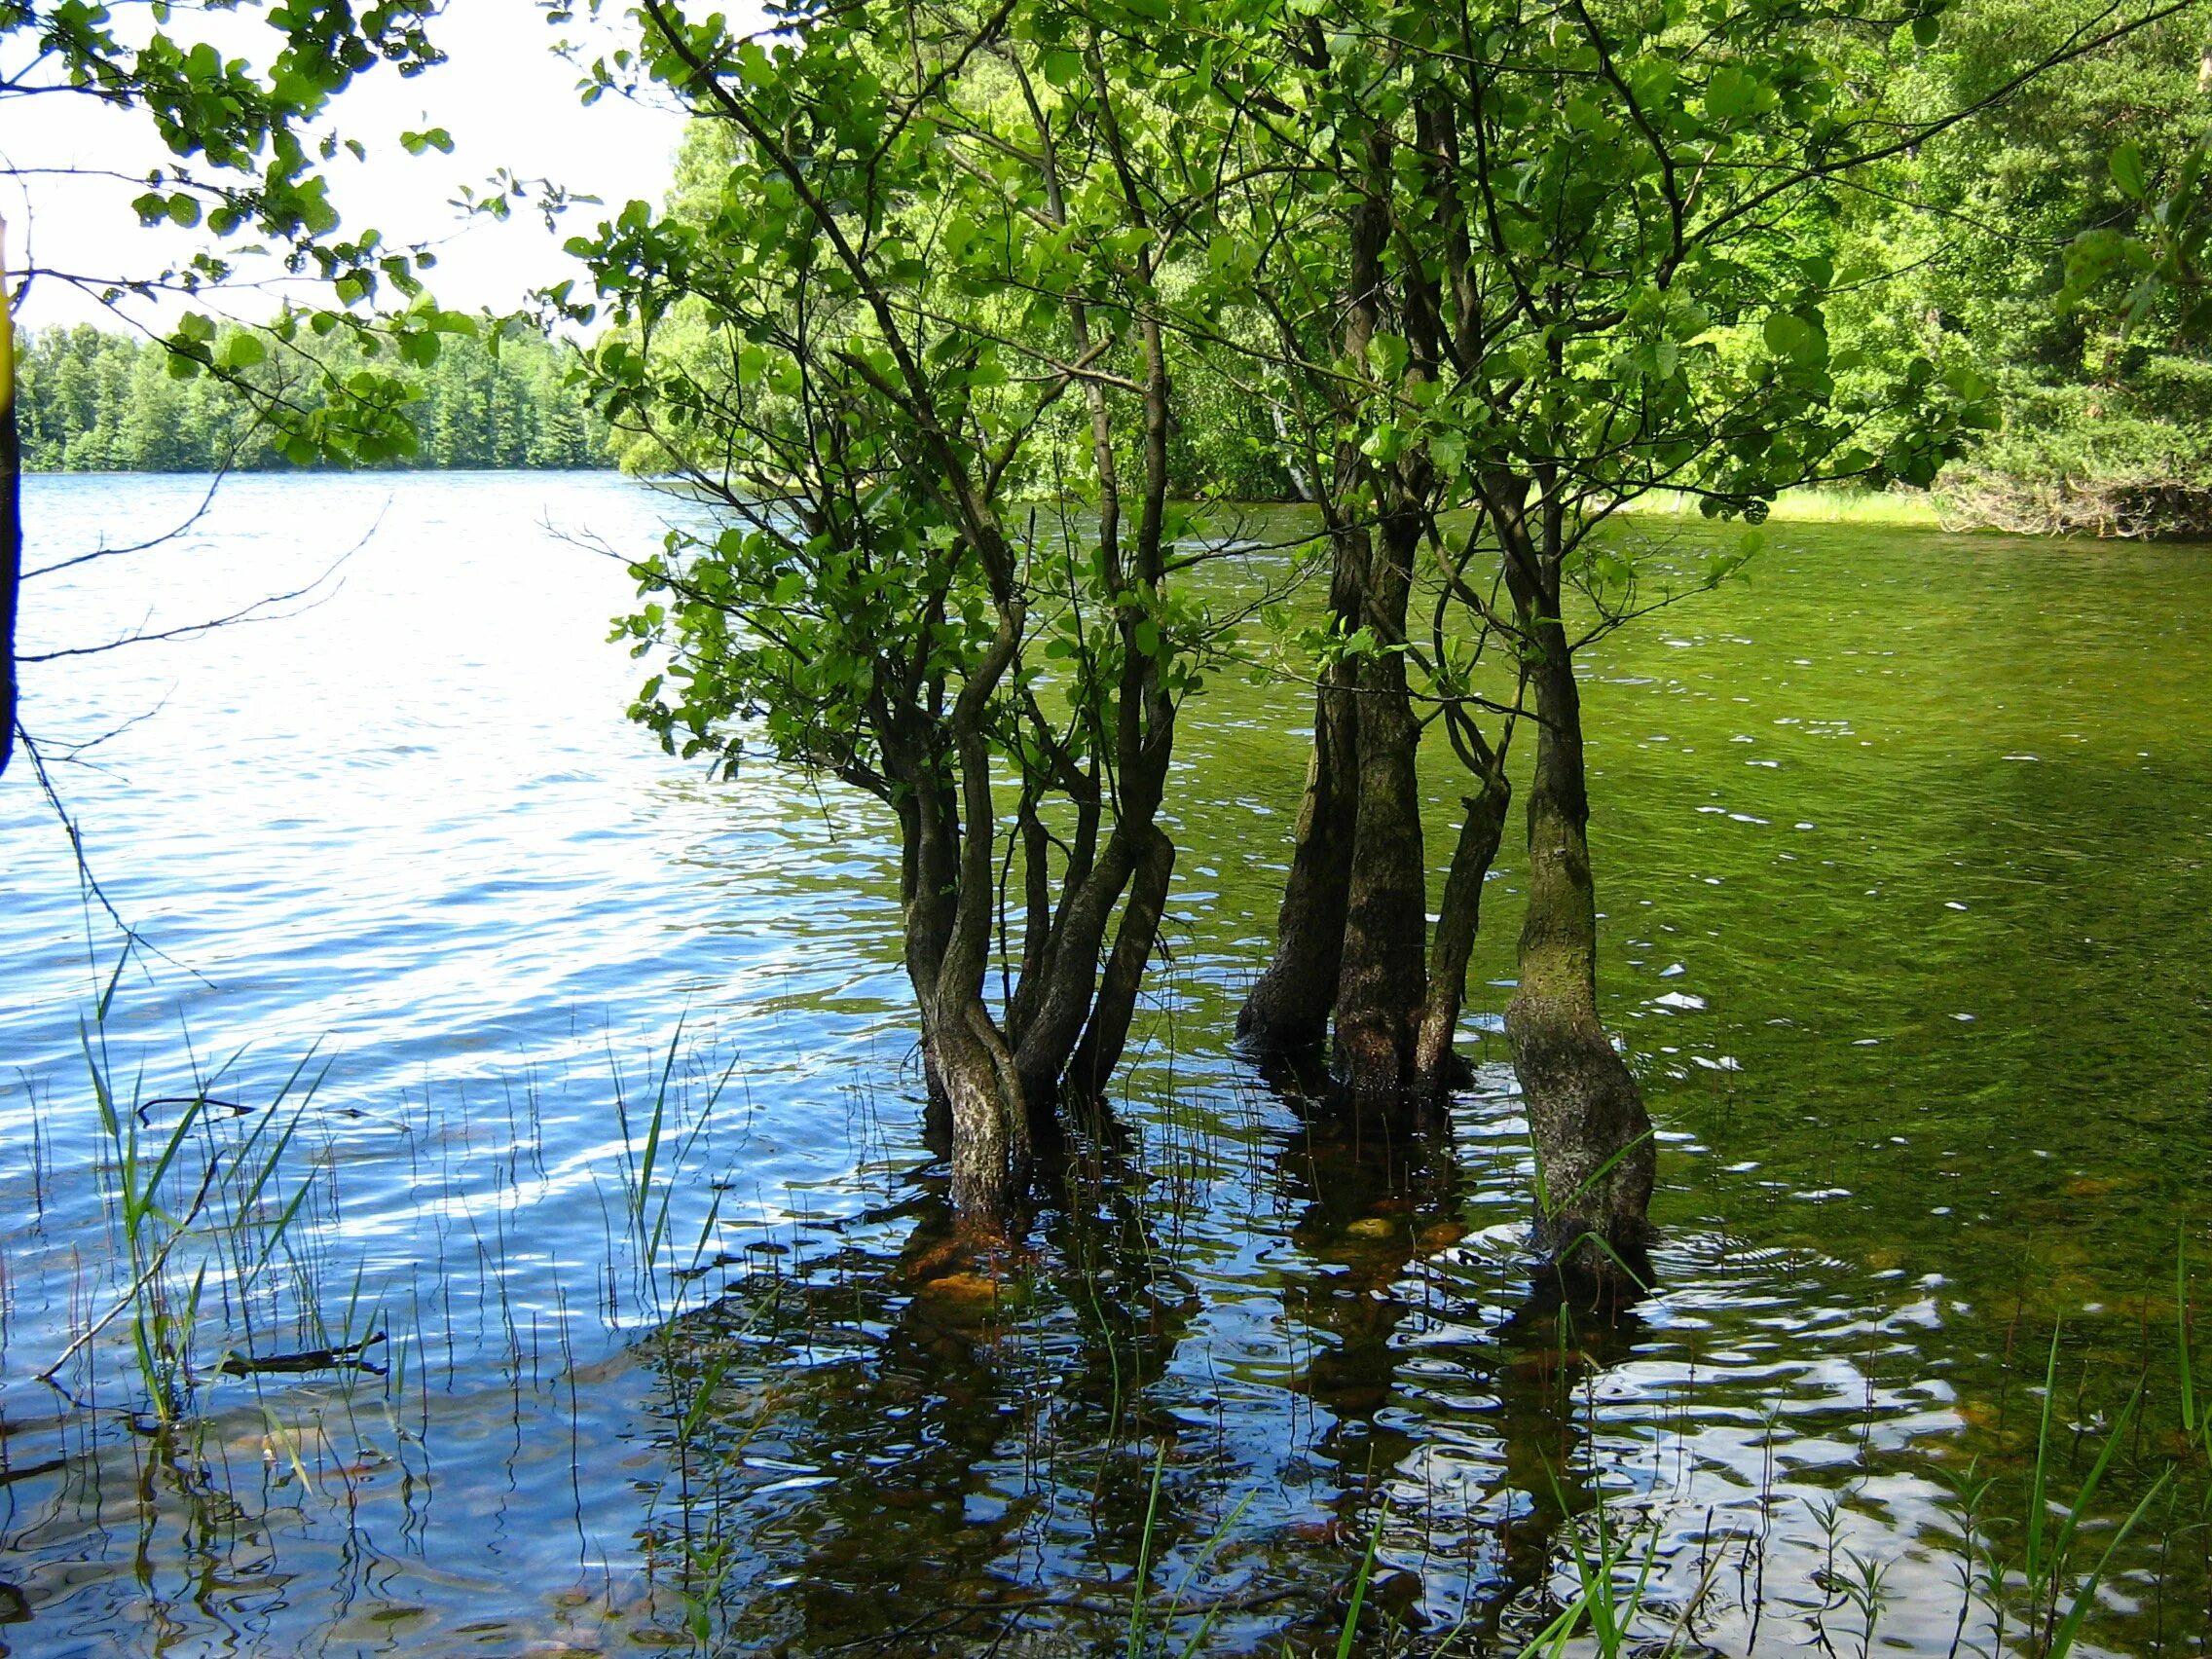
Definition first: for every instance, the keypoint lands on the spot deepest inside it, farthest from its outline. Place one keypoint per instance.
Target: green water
(1900, 853)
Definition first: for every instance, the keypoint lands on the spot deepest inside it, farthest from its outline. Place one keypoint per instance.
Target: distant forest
(92, 401)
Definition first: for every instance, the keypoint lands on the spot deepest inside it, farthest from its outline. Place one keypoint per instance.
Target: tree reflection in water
(896, 1447)
(903, 1450)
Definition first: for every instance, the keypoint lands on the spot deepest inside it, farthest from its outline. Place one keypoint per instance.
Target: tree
(907, 333)
(2156, 258)
(1528, 263)
(2106, 404)
(1495, 272)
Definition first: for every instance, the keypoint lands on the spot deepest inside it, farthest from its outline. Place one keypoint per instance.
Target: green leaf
(1383, 444)
(2127, 170)
(1731, 93)
(1797, 338)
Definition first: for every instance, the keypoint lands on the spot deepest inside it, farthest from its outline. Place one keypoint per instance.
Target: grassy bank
(1913, 509)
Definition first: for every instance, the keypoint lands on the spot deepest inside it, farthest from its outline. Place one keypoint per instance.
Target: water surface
(1901, 848)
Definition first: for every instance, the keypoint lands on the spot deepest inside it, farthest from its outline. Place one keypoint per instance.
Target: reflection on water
(1905, 931)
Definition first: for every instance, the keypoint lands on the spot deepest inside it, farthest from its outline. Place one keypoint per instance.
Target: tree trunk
(1593, 1138)
(990, 1125)
(1115, 1004)
(1383, 978)
(1288, 1008)
(11, 513)
(1437, 1066)
(1055, 1018)
(1289, 1005)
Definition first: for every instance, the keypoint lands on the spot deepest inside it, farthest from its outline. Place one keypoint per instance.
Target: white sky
(502, 93)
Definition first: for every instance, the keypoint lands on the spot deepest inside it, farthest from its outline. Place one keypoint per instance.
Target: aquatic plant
(184, 1206)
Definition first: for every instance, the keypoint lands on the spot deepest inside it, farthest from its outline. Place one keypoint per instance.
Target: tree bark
(990, 1125)
(1383, 979)
(1115, 1004)
(1288, 1008)
(1593, 1138)
(1437, 1066)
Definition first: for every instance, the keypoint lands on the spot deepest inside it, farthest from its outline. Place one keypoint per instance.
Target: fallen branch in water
(308, 1359)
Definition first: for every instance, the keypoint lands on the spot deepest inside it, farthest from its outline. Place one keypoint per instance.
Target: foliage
(2131, 458)
(2009, 243)
(904, 325)
(245, 168)
(91, 401)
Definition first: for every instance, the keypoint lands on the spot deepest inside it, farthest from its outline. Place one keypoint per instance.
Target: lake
(595, 1135)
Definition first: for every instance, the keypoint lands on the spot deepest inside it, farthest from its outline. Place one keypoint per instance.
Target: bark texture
(1383, 978)
(1115, 1006)
(1289, 1006)
(990, 1119)
(1593, 1138)
(1437, 1068)
(1351, 935)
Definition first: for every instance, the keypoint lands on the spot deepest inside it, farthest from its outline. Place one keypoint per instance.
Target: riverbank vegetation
(1479, 284)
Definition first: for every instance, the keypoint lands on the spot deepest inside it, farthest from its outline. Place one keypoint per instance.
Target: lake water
(1902, 851)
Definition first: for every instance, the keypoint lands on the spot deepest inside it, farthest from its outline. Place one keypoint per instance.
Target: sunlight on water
(1903, 881)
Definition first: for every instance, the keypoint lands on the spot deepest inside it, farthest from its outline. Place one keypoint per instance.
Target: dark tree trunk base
(1593, 1141)
(990, 1151)
(1592, 1136)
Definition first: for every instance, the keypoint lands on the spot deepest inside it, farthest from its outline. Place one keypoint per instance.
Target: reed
(190, 1226)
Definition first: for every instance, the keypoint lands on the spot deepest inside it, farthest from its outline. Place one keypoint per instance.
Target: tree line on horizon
(93, 400)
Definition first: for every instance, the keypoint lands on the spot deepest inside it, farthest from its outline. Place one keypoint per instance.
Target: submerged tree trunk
(1437, 1068)
(990, 1121)
(1383, 979)
(1289, 1006)
(1593, 1138)
(1115, 1006)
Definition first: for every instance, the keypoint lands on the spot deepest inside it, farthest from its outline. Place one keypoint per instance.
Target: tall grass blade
(1359, 1583)
(1143, 1580)
(2062, 1638)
